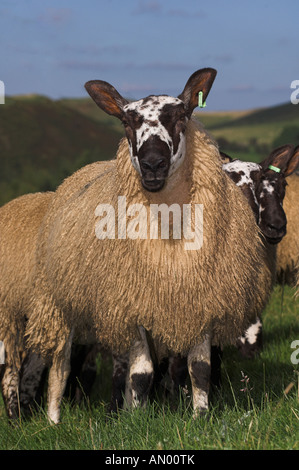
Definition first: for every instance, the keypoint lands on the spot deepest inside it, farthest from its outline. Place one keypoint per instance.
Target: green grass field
(264, 416)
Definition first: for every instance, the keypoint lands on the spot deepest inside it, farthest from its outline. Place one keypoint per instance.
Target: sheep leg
(120, 369)
(250, 343)
(58, 376)
(140, 373)
(199, 367)
(31, 375)
(10, 391)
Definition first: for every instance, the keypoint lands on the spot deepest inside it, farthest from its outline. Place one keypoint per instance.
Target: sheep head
(281, 163)
(154, 126)
(264, 187)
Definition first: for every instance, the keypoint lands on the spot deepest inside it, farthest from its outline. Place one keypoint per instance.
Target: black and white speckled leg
(199, 366)
(140, 372)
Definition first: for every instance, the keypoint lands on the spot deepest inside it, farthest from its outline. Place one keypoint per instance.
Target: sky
(142, 47)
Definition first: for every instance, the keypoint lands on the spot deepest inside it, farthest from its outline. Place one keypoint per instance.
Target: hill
(253, 134)
(249, 134)
(43, 141)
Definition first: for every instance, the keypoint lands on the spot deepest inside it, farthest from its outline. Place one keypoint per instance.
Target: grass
(264, 416)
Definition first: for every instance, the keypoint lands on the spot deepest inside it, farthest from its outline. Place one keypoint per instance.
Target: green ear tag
(274, 168)
(200, 103)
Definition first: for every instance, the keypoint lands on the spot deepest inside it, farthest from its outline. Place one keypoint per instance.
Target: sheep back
(104, 289)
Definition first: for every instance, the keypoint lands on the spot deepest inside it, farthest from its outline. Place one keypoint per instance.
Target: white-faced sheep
(117, 289)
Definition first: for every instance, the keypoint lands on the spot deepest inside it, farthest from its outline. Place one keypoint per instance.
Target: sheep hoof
(201, 413)
(54, 418)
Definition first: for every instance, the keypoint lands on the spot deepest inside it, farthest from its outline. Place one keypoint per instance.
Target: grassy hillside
(249, 135)
(253, 134)
(43, 141)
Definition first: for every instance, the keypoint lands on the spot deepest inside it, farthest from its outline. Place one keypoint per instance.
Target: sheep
(288, 249)
(96, 285)
(267, 182)
(20, 221)
(264, 190)
(19, 224)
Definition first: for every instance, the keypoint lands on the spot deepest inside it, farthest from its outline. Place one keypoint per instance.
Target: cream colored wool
(19, 224)
(288, 248)
(105, 289)
(20, 221)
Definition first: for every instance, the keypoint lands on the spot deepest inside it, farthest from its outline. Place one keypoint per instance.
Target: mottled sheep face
(264, 192)
(270, 192)
(155, 129)
(155, 126)
(264, 187)
(245, 175)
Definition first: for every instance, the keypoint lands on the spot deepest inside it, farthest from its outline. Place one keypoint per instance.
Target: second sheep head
(154, 126)
(263, 185)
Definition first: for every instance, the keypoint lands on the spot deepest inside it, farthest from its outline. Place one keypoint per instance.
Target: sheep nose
(154, 165)
(277, 229)
(275, 233)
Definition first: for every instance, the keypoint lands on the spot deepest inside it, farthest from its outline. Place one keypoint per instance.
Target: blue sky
(147, 47)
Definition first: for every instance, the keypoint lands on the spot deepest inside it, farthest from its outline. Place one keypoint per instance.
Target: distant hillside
(43, 141)
(252, 134)
(249, 134)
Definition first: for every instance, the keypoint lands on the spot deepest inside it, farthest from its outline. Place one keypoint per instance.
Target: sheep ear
(293, 163)
(225, 158)
(202, 80)
(106, 97)
(279, 159)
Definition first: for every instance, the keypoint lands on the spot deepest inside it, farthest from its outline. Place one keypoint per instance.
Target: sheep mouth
(153, 185)
(274, 240)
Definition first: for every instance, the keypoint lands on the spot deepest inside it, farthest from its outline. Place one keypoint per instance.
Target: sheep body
(102, 290)
(288, 248)
(19, 224)
(20, 221)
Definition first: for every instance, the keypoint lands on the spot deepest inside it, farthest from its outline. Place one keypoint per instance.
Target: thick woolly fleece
(288, 248)
(19, 224)
(103, 290)
(20, 221)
